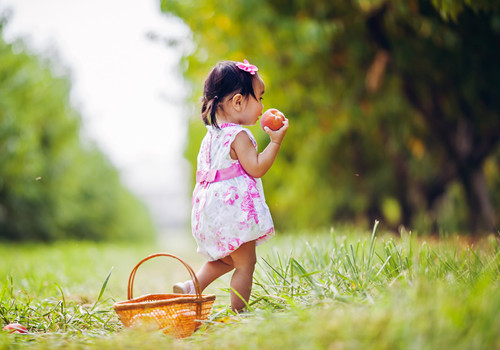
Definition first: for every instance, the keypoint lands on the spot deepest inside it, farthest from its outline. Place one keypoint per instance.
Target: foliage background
(394, 110)
(54, 184)
(394, 106)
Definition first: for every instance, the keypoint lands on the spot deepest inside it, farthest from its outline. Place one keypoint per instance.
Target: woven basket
(175, 314)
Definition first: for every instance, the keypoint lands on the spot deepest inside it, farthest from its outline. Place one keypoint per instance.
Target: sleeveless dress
(229, 212)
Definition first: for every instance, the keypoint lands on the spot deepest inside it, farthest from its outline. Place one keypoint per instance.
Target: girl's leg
(244, 260)
(211, 270)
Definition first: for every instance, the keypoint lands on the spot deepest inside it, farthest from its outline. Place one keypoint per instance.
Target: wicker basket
(175, 314)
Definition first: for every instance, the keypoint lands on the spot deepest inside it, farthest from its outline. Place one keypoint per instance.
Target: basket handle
(190, 270)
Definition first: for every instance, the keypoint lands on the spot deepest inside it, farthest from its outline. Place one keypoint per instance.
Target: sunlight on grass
(344, 290)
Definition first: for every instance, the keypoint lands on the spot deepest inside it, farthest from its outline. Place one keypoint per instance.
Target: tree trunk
(465, 142)
(482, 216)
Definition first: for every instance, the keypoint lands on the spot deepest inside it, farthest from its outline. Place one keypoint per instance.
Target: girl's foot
(184, 288)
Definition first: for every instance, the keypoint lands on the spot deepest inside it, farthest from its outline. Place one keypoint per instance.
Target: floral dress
(229, 212)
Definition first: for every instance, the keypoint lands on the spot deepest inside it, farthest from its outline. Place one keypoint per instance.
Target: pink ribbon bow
(214, 175)
(247, 67)
(206, 176)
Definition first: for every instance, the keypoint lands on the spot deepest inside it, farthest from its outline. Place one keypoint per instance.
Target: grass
(329, 290)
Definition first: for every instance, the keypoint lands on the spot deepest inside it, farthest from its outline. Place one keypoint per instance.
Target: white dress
(227, 213)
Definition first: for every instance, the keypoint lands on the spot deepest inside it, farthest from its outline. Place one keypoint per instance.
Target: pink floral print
(231, 195)
(227, 213)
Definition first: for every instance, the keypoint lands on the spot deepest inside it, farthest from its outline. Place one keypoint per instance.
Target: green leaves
(53, 183)
(377, 93)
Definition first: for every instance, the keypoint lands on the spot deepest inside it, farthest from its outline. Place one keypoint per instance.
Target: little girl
(230, 215)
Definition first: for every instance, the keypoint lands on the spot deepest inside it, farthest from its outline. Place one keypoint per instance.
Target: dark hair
(223, 80)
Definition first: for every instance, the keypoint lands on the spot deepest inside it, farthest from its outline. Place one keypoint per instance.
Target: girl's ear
(237, 102)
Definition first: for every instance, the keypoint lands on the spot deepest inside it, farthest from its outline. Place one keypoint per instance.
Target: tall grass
(333, 290)
(55, 314)
(336, 268)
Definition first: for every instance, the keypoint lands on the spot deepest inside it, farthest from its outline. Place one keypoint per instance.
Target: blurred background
(394, 110)
(122, 91)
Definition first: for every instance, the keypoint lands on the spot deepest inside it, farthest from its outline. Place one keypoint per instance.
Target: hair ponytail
(213, 110)
(209, 111)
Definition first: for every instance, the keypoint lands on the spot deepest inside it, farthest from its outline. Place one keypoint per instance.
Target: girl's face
(252, 107)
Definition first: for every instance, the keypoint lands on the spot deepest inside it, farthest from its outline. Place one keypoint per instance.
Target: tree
(457, 99)
(53, 183)
(394, 106)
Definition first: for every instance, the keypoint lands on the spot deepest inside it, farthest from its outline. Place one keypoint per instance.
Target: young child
(230, 215)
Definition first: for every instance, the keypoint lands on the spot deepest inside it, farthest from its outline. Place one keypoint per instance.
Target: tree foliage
(53, 183)
(394, 106)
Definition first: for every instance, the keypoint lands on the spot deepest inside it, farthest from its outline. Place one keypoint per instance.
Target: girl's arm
(257, 164)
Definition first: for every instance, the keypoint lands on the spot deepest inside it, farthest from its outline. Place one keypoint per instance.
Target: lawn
(338, 289)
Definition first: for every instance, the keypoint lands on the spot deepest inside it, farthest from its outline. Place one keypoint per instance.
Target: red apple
(273, 119)
(15, 328)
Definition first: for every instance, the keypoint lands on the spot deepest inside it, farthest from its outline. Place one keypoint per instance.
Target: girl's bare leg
(244, 260)
(211, 270)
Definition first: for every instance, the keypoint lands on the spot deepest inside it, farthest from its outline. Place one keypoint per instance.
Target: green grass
(329, 290)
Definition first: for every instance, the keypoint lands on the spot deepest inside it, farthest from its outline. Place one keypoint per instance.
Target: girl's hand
(278, 135)
(257, 164)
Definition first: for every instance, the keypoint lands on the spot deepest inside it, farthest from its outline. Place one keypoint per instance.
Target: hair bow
(247, 67)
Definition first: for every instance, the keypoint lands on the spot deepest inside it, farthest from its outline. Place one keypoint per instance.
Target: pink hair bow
(247, 67)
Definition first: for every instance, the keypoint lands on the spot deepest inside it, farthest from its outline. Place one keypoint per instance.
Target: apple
(273, 119)
(15, 328)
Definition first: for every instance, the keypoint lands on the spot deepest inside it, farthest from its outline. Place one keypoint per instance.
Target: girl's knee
(246, 264)
(252, 261)
(244, 256)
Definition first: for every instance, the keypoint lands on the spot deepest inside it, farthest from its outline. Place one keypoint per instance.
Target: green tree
(53, 183)
(393, 105)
